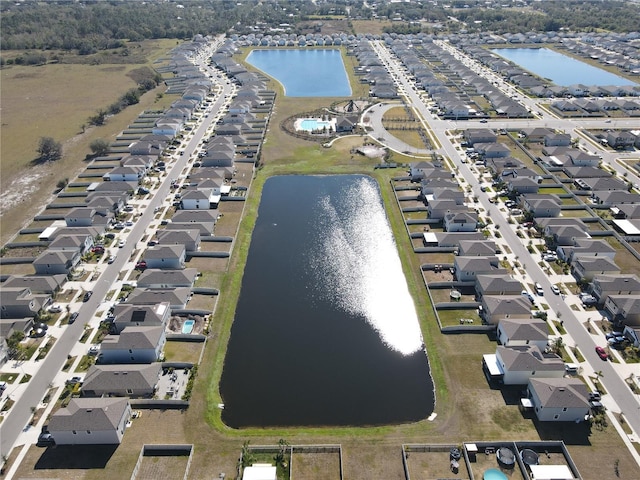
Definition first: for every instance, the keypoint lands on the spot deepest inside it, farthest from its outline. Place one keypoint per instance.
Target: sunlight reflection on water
(359, 268)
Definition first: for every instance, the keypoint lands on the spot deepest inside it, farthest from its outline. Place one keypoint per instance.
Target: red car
(602, 353)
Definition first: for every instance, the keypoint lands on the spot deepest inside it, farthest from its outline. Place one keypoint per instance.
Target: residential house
(583, 172)
(559, 399)
(602, 183)
(49, 284)
(542, 205)
(438, 209)
(176, 297)
(467, 268)
(565, 233)
(557, 140)
(499, 307)
(71, 243)
(624, 309)
(615, 197)
(518, 364)
(474, 248)
(133, 381)
(86, 217)
(152, 278)
(602, 286)
(133, 345)
(89, 421)
(479, 135)
(620, 139)
(580, 158)
(21, 302)
(151, 315)
(194, 216)
(492, 150)
(199, 199)
(125, 174)
(586, 246)
(497, 284)
(518, 332)
(465, 221)
(52, 262)
(523, 185)
(585, 267)
(536, 134)
(165, 256)
(190, 238)
(8, 326)
(449, 239)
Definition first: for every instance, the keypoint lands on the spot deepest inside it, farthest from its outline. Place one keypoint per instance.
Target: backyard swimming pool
(187, 327)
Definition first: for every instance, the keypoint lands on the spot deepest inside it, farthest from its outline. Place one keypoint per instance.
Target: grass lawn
(33, 97)
(178, 351)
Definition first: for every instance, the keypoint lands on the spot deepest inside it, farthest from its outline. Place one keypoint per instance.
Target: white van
(539, 289)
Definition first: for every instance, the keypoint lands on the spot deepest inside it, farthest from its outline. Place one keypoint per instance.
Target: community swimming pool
(187, 327)
(314, 124)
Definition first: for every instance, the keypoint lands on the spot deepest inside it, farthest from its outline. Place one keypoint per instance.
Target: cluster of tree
(147, 80)
(553, 15)
(48, 150)
(89, 27)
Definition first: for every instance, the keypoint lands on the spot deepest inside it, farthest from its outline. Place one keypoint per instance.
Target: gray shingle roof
(95, 414)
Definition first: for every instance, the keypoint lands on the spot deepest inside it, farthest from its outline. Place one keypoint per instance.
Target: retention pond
(325, 331)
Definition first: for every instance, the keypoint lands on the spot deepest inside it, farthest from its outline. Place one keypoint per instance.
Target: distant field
(55, 100)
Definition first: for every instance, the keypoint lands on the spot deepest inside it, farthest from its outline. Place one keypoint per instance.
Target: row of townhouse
(521, 358)
(128, 364)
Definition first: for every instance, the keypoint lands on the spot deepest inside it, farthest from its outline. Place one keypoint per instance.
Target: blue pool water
(187, 327)
(311, 124)
(560, 69)
(494, 474)
(305, 73)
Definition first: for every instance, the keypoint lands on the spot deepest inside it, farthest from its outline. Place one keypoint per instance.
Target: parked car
(121, 243)
(141, 265)
(73, 381)
(588, 301)
(37, 333)
(55, 308)
(73, 317)
(529, 296)
(112, 258)
(87, 296)
(555, 289)
(602, 353)
(45, 439)
(539, 289)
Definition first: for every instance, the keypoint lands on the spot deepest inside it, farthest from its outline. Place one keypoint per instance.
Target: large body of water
(560, 69)
(326, 332)
(305, 73)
